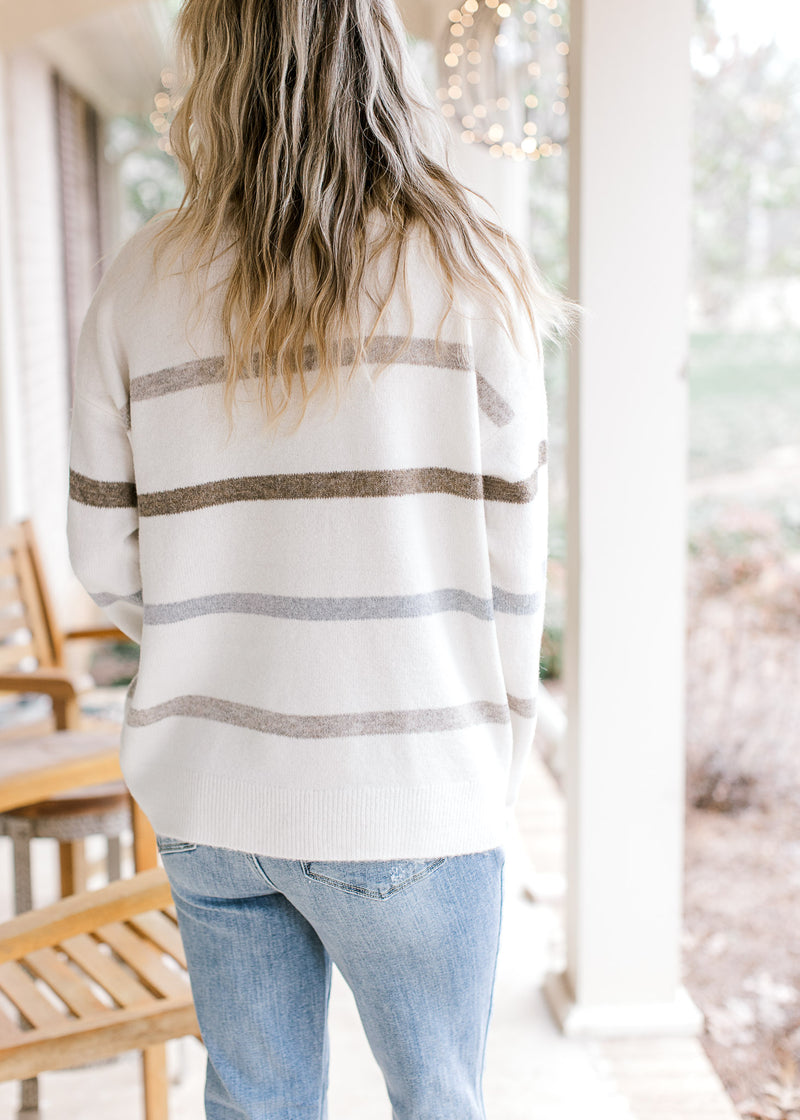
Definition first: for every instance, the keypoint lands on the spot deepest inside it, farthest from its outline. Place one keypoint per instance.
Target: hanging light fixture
(504, 78)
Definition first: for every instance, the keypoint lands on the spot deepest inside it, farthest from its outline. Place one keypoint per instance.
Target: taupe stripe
(320, 608)
(205, 371)
(108, 495)
(411, 722)
(105, 598)
(522, 707)
(188, 375)
(337, 609)
(496, 407)
(336, 484)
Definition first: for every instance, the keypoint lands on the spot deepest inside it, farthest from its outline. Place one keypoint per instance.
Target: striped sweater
(340, 627)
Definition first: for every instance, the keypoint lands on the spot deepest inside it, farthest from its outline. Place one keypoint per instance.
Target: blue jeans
(415, 939)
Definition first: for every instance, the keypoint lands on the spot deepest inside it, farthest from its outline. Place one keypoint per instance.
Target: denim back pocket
(168, 844)
(371, 878)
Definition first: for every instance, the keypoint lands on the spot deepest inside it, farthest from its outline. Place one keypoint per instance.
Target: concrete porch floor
(533, 1072)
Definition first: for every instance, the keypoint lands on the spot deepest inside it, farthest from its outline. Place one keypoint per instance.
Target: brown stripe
(415, 721)
(206, 371)
(521, 706)
(107, 495)
(496, 407)
(336, 484)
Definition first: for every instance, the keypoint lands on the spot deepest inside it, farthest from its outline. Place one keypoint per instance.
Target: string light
(166, 102)
(504, 64)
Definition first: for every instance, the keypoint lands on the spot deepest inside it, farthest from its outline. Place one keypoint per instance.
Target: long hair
(300, 121)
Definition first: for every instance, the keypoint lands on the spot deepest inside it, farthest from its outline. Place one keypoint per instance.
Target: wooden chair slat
(10, 1033)
(11, 624)
(145, 959)
(163, 932)
(37, 606)
(13, 653)
(49, 925)
(11, 536)
(19, 987)
(120, 985)
(103, 1036)
(51, 637)
(65, 981)
(7, 569)
(9, 597)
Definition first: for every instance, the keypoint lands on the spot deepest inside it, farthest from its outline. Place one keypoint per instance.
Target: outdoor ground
(742, 885)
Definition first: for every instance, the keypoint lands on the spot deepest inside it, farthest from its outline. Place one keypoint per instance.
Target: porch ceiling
(114, 52)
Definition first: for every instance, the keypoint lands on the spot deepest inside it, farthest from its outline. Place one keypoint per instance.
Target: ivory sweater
(340, 627)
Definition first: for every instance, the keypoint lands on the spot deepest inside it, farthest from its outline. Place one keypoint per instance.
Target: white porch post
(627, 415)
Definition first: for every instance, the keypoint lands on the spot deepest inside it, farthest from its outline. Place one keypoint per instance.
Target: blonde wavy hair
(297, 121)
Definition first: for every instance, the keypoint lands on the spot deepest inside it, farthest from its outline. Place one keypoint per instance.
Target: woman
(334, 560)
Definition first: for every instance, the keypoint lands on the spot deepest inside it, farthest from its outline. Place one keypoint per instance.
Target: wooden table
(35, 768)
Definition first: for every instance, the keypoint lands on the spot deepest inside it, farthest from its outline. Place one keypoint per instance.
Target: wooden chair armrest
(56, 683)
(98, 633)
(83, 912)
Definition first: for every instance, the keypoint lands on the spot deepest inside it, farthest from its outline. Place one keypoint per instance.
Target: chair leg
(72, 856)
(29, 1099)
(154, 1074)
(23, 883)
(113, 858)
(23, 901)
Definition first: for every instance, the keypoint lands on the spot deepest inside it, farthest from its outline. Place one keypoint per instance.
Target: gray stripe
(506, 602)
(522, 707)
(105, 598)
(496, 407)
(410, 722)
(319, 608)
(207, 371)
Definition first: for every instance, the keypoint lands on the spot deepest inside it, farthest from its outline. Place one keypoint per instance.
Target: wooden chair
(41, 766)
(29, 631)
(114, 962)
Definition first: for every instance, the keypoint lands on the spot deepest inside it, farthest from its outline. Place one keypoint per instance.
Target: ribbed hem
(348, 824)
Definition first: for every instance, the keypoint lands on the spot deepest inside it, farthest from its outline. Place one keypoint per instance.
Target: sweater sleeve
(514, 462)
(102, 516)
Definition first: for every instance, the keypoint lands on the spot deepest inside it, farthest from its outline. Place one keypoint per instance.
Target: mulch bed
(741, 947)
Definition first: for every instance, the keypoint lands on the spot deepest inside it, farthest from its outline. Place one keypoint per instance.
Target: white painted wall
(37, 314)
(12, 476)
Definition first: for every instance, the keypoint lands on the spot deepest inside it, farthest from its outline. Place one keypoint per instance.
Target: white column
(12, 487)
(504, 183)
(627, 418)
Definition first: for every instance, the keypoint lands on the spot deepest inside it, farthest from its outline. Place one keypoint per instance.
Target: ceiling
(113, 53)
